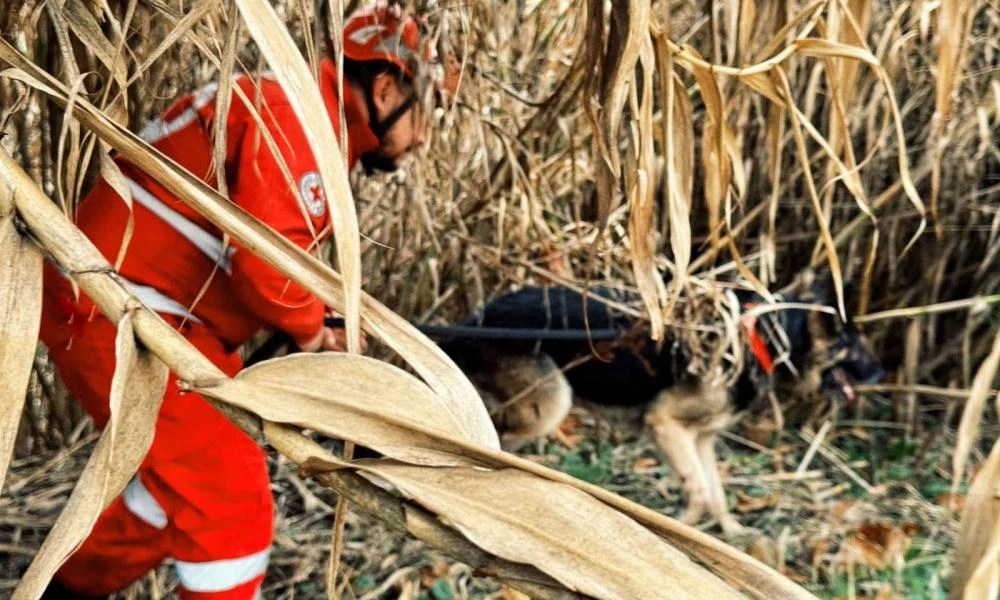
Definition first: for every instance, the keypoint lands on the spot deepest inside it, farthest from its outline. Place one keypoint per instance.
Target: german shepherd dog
(568, 345)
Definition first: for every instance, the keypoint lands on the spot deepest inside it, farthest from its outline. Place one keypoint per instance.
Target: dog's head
(834, 353)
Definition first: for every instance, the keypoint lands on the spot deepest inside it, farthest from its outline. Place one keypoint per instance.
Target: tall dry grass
(613, 144)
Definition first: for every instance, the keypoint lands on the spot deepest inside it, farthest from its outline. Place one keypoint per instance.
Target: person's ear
(384, 92)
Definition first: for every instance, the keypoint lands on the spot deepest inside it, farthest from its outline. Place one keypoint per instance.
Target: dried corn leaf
(435, 447)
(82, 22)
(20, 311)
(950, 39)
(825, 48)
(357, 398)
(680, 177)
(747, 20)
(977, 549)
(641, 202)
(68, 154)
(972, 415)
(579, 541)
(841, 78)
(715, 161)
(629, 27)
(678, 151)
(808, 14)
(180, 27)
(826, 238)
(775, 135)
(762, 84)
(829, 48)
(136, 392)
(223, 98)
(303, 94)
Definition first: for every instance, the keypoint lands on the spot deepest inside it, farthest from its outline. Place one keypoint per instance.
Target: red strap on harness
(758, 346)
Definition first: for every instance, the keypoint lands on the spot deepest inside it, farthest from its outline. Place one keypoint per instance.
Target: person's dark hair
(364, 72)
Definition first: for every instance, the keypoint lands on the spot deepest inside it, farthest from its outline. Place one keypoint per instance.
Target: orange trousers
(201, 496)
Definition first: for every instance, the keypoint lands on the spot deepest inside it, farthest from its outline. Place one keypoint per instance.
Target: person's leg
(216, 488)
(120, 550)
(221, 511)
(203, 485)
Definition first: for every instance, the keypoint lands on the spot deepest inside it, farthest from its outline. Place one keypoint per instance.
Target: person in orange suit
(202, 496)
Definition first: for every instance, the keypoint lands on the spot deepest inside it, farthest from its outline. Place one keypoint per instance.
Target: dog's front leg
(679, 442)
(716, 494)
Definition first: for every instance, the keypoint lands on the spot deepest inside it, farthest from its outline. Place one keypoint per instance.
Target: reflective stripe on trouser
(206, 576)
(153, 299)
(142, 504)
(221, 575)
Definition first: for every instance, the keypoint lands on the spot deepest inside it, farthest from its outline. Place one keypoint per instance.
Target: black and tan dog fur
(529, 385)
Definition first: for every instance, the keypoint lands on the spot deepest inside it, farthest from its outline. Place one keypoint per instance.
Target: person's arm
(260, 188)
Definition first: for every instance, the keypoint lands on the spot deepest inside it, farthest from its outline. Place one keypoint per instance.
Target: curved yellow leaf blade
(978, 543)
(356, 398)
(20, 311)
(968, 428)
(136, 392)
(579, 541)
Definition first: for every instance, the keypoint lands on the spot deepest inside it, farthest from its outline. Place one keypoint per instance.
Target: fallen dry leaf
(953, 502)
(878, 545)
(746, 503)
(766, 551)
(645, 463)
(509, 593)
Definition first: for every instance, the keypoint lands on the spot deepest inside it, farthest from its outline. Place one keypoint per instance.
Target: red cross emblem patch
(313, 197)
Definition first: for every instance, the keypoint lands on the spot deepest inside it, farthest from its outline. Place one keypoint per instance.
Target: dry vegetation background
(873, 146)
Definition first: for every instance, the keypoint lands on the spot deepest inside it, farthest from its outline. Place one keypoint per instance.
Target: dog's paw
(731, 527)
(693, 514)
(743, 537)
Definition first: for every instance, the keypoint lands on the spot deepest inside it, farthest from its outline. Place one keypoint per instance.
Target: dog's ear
(852, 301)
(806, 279)
(824, 292)
(816, 285)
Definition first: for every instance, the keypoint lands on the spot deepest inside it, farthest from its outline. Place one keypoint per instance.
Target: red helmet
(382, 32)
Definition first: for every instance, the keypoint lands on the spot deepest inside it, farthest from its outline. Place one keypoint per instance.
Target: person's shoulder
(263, 91)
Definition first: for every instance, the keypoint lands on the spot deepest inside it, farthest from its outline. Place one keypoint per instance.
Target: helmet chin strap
(380, 128)
(373, 161)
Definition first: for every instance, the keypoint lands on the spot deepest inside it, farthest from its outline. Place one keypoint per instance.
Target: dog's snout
(864, 367)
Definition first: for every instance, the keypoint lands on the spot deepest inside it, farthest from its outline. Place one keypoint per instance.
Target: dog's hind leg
(716, 493)
(679, 443)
